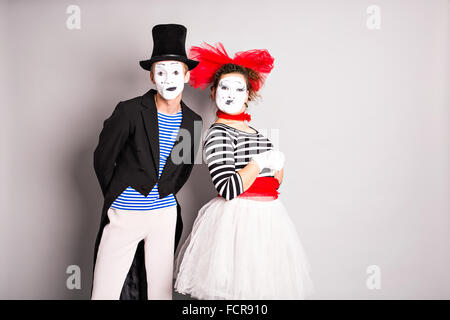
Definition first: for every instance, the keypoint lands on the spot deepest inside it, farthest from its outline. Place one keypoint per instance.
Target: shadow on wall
(199, 189)
(195, 193)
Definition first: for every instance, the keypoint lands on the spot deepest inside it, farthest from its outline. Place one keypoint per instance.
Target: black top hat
(168, 44)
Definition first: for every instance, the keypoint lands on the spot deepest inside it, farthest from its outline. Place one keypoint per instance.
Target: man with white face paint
(169, 78)
(139, 176)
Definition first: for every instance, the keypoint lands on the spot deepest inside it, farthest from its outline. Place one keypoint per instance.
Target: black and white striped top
(227, 150)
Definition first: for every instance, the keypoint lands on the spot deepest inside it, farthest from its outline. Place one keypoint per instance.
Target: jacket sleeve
(219, 155)
(112, 138)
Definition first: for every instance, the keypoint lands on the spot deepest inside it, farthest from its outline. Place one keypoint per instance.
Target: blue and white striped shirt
(130, 199)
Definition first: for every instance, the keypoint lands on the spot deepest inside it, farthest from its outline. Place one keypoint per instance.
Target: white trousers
(126, 228)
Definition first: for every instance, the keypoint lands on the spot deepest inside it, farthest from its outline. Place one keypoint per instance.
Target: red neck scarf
(241, 116)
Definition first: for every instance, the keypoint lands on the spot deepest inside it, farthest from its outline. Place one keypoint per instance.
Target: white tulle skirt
(243, 249)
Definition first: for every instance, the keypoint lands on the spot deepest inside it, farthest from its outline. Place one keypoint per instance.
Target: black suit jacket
(127, 154)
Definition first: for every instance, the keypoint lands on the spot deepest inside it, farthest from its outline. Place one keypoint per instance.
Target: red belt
(262, 187)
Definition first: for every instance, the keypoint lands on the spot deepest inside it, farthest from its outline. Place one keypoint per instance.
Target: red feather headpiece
(212, 58)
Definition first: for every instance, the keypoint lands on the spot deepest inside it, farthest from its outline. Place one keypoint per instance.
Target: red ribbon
(211, 58)
(241, 116)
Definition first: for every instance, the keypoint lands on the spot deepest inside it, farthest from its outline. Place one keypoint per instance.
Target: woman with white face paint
(243, 244)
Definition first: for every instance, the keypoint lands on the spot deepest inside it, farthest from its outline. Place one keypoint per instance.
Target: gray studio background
(362, 116)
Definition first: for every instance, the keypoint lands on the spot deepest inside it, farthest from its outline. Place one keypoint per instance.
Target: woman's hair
(246, 72)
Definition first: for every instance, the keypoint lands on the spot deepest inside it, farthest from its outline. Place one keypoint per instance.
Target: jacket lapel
(150, 117)
(186, 124)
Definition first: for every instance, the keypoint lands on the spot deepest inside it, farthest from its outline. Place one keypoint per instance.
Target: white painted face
(231, 94)
(169, 78)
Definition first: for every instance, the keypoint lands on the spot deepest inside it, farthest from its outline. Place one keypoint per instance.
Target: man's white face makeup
(169, 78)
(231, 94)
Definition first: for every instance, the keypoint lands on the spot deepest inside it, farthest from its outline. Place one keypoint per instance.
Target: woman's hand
(279, 175)
(272, 159)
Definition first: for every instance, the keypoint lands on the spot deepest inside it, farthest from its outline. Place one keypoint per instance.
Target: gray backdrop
(362, 115)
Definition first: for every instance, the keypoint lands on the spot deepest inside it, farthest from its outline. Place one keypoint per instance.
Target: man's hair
(185, 67)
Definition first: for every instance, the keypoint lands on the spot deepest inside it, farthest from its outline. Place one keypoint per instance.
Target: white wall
(362, 116)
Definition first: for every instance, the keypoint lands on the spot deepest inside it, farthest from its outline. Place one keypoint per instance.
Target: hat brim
(147, 64)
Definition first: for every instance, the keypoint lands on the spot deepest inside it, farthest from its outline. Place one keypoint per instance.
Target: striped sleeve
(219, 155)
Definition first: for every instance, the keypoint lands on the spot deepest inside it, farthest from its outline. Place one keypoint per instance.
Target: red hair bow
(211, 58)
